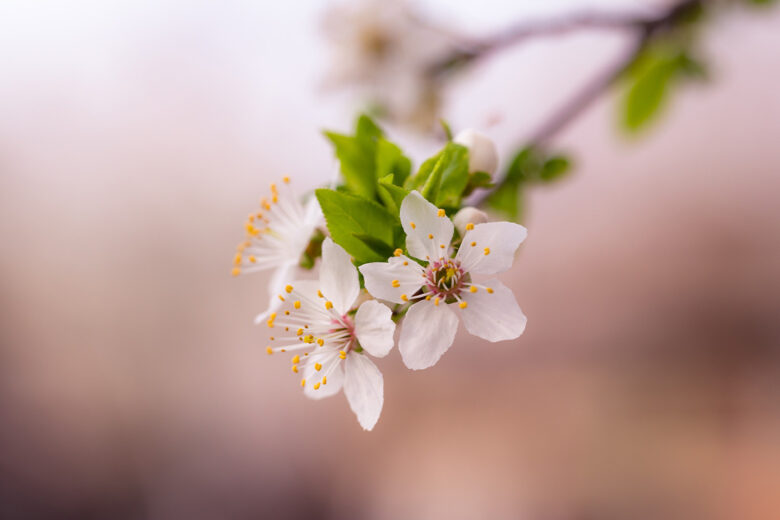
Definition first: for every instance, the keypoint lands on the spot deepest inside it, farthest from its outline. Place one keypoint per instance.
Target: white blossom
(483, 156)
(442, 290)
(331, 330)
(277, 237)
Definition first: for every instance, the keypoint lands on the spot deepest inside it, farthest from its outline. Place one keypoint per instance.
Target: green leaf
(416, 181)
(454, 177)
(446, 127)
(651, 77)
(505, 200)
(554, 168)
(391, 195)
(478, 180)
(349, 216)
(390, 160)
(442, 179)
(382, 249)
(366, 128)
(356, 155)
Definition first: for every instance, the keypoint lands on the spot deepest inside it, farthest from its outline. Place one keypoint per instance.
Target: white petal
(428, 331)
(426, 231)
(330, 365)
(338, 277)
(494, 317)
(493, 249)
(364, 388)
(374, 328)
(379, 278)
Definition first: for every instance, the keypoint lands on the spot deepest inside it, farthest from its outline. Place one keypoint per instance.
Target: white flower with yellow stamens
(444, 282)
(277, 237)
(330, 334)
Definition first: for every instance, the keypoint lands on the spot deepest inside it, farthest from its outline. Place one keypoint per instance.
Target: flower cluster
(420, 268)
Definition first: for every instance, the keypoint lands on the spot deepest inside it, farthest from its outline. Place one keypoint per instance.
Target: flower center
(445, 278)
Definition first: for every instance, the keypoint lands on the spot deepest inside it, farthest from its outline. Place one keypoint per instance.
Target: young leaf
(391, 195)
(390, 160)
(454, 176)
(506, 200)
(554, 168)
(349, 216)
(366, 128)
(356, 155)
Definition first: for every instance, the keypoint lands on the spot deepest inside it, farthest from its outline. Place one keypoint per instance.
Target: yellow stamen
(440, 213)
(487, 251)
(295, 368)
(463, 305)
(299, 332)
(469, 226)
(489, 290)
(252, 259)
(473, 288)
(473, 244)
(324, 380)
(328, 305)
(404, 298)
(237, 260)
(308, 338)
(303, 382)
(286, 180)
(398, 252)
(288, 289)
(436, 301)
(297, 304)
(406, 263)
(317, 367)
(320, 342)
(430, 235)
(395, 283)
(281, 297)
(236, 271)
(414, 226)
(342, 354)
(428, 298)
(269, 350)
(316, 386)
(296, 359)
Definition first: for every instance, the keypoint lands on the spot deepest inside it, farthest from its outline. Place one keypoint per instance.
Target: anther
(316, 386)
(320, 341)
(297, 304)
(237, 260)
(324, 380)
(414, 226)
(489, 290)
(487, 250)
(288, 289)
(328, 305)
(473, 288)
(317, 367)
(286, 180)
(469, 226)
(463, 305)
(430, 235)
(398, 252)
(404, 298)
(252, 259)
(299, 332)
(303, 382)
(269, 350)
(436, 301)
(395, 283)
(342, 354)
(281, 297)
(319, 293)
(236, 271)
(295, 368)
(440, 213)
(473, 244)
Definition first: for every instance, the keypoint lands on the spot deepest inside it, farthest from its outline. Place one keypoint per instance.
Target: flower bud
(482, 152)
(466, 216)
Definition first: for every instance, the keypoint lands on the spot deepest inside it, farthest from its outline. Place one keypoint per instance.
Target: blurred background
(136, 136)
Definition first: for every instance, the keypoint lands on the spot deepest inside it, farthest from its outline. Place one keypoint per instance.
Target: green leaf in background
(416, 181)
(391, 195)
(390, 160)
(478, 180)
(447, 130)
(554, 168)
(349, 217)
(530, 166)
(651, 78)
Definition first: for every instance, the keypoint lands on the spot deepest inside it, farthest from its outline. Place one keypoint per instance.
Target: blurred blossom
(385, 50)
(483, 156)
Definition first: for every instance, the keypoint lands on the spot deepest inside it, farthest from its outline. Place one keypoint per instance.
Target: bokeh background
(135, 137)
